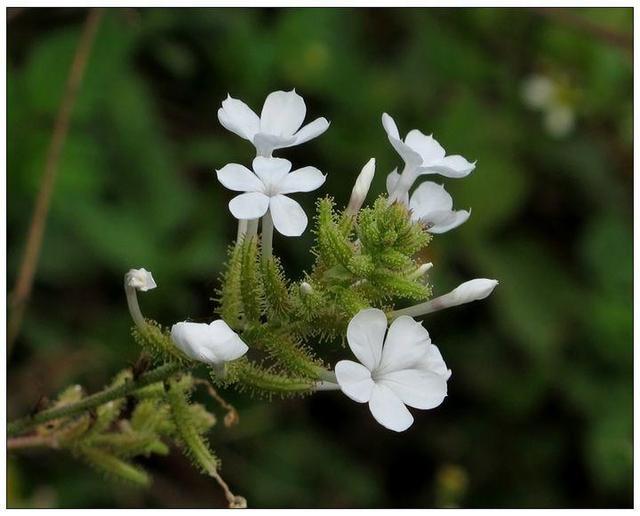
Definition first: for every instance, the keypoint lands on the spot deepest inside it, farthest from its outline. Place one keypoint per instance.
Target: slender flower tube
(134, 280)
(469, 291)
(421, 271)
(361, 188)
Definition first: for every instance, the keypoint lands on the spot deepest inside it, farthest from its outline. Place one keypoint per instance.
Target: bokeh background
(539, 412)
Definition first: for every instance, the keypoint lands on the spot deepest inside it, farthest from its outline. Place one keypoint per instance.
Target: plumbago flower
(278, 125)
(421, 154)
(266, 188)
(402, 369)
(265, 339)
(433, 206)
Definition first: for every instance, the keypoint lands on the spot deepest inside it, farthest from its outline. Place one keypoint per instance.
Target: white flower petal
(408, 155)
(271, 171)
(192, 339)
(304, 179)
(140, 279)
(228, 344)
(265, 144)
(288, 216)
(311, 130)
(354, 380)
(213, 343)
(390, 126)
(365, 335)
(430, 197)
(392, 180)
(283, 113)
(451, 166)
(433, 361)
(405, 345)
(239, 178)
(428, 148)
(443, 221)
(388, 409)
(249, 206)
(238, 118)
(417, 388)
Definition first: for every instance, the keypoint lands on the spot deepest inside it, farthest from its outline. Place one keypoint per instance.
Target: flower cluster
(366, 263)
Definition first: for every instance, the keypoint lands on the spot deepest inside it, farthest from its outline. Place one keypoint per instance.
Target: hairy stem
(99, 398)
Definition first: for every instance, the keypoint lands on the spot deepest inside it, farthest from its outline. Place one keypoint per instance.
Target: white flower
(432, 205)
(213, 343)
(278, 125)
(425, 153)
(538, 91)
(403, 369)
(140, 279)
(266, 188)
(361, 188)
(559, 120)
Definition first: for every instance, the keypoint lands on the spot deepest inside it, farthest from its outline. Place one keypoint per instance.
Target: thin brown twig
(31, 441)
(232, 417)
(28, 266)
(569, 18)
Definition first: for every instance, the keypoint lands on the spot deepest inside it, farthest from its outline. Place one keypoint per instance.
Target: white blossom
(213, 343)
(266, 188)
(278, 125)
(403, 369)
(421, 154)
(432, 205)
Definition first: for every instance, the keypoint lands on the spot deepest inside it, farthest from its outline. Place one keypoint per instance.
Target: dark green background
(539, 412)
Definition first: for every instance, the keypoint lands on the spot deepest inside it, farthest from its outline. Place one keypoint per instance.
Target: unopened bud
(468, 291)
(421, 271)
(361, 188)
(305, 288)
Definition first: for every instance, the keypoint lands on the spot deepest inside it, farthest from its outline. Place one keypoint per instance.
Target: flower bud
(468, 291)
(361, 188)
(473, 290)
(305, 288)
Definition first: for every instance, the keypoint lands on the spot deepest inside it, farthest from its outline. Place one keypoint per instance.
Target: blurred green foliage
(539, 412)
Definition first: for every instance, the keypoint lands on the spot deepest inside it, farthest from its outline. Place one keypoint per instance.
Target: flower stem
(134, 307)
(267, 235)
(99, 398)
(252, 228)
(242, 229)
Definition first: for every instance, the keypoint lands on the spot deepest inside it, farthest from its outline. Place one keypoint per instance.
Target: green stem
(99, 398)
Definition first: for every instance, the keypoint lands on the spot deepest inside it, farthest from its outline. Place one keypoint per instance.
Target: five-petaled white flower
(213, 343)
(403, 369)
(421, 154)
(432, 205)
(278, 125)
(266, 188)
